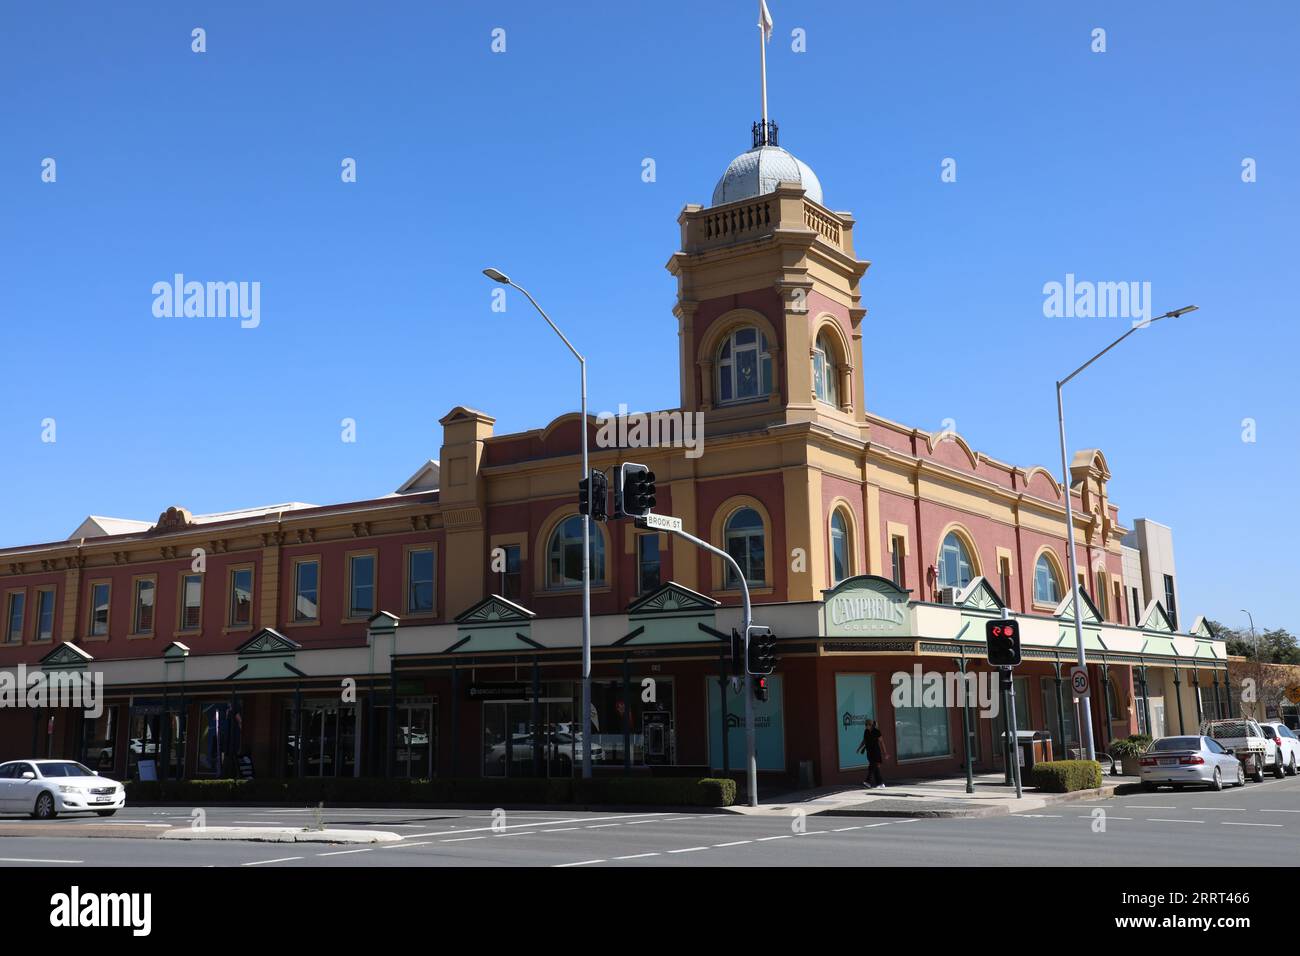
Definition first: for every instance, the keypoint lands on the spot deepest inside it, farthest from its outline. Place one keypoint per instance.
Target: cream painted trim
(895, 530)
(1011, 561)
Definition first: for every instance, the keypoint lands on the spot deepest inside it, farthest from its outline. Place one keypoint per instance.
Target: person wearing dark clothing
(873, 746)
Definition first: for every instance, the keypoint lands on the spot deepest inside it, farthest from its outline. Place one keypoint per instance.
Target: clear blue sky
(225, 166)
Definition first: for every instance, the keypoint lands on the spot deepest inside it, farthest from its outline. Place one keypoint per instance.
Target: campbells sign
(865, 605)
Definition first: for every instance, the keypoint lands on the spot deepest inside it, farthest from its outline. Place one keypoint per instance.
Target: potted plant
(1128, 751)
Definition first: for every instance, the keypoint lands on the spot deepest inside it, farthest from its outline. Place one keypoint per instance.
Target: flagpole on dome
(764, 36)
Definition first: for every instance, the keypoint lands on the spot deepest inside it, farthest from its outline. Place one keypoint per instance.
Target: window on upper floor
(746, 541)
(564, 556)
(826, 371)
(100, 595)
(841, 547)
(898, 560)
(191, 602)
(1047, 586)
(1171, 603)
(15, 606)
(1004, 579)
(361, 585)
(241, 597)
(647, 563)
(744, 367)
(512, 577)
(45, 614)
(954, 562)
(306, 591)
(419, 581)
(142, 617)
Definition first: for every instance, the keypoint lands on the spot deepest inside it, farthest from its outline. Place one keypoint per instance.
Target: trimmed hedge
(648, 791)
(1065, 776)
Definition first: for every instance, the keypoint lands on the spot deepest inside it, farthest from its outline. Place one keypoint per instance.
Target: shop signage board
(855, 704)
(865, 605)
(499, 690)
(769, 727)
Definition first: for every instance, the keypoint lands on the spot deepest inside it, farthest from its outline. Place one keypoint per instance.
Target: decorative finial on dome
(765, 133)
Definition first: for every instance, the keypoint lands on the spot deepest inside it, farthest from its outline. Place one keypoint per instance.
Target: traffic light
(1003, 639)
(634, 491)
(762, 650)
(593, 496)
(760, 689)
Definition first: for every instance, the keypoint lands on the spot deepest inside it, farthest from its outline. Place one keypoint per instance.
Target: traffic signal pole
(750, 745)
(1015, 727)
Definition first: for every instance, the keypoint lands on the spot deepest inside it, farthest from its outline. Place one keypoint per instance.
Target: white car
(46, 788)
(1288, 746)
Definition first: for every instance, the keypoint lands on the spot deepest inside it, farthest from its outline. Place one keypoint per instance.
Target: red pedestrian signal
(1003, 639)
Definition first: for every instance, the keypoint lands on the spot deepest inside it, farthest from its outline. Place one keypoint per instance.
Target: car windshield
(65, 769)
(1177, 743)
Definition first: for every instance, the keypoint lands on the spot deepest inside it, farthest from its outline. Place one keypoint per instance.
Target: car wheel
(45, 809)
(1241, 775)
(105, 813)
(1217, 782)
(1277, 767)
(1258, 775)
(1291, 767)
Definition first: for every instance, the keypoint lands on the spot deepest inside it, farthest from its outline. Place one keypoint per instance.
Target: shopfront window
(1064, 735)
(214, 738)
(511, 738)
(156, 741)
(327, 739)
(649, 725)
(920, 731)
(99, 741)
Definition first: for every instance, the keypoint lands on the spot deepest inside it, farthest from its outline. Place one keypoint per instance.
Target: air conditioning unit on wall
(948, 596)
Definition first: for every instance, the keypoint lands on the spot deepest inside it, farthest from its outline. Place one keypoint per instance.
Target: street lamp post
(1085, 698)
(498, 276)
(1259, 670)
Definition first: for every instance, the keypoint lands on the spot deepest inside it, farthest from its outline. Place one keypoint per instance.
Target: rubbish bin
(806, 775)
(1035, 747)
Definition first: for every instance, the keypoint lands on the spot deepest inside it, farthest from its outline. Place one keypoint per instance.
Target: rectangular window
(100, 595)
(420, 577)
(306, 591)
(1119, 603)
(241, 597)
(1171, 605)
(512, 579)
(1137, 608)
(14, 617)
(361, 585)
(897, 550)
(920, 731)
(142, 619)
(1004, 575)
(45, 614)
(1100, 594)
(191, 602)
(647, 563)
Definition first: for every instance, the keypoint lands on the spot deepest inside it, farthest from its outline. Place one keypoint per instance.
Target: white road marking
(1146, 806)
(579, 863)
(462, 839)
(689, 849)
(1278, 811)
(1234, 823)
(1167, 820)
(1089, 816)
(783, 836)
(24, 859)
(1242, 809)
(283, 859)
(403, 846)
(342, 852)
(734, 843)
(532, 823)
(561, 830)
(601, 826)
(635, 856)
(843, 829)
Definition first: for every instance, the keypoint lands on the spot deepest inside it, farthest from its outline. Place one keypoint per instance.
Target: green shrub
(1064, 776)
(1125, 748)
(647, 791)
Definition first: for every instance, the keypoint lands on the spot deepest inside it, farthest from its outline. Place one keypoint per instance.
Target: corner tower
(768, 302)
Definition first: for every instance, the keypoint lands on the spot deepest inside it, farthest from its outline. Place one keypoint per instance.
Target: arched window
(841, 547)
(954, 563)
(564, 556)
(744, 366)
(745, 541)
(1047, 586)
(826, 371)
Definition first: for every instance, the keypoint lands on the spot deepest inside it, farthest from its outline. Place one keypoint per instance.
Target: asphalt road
(1258, 825)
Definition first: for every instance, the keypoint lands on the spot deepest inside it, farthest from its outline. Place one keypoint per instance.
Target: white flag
(764, 20)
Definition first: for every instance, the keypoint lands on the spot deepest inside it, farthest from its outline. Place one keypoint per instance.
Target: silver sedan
(1177, 761)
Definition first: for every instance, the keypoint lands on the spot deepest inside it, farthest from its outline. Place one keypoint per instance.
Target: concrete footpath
(944, 797)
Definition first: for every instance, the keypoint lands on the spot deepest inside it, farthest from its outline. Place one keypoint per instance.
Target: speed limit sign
(1079, 680)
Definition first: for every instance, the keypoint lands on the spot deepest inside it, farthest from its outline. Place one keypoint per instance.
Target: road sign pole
(1015, 740)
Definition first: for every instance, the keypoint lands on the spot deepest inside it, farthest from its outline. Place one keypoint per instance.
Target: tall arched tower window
(744, 367)
(826, 371)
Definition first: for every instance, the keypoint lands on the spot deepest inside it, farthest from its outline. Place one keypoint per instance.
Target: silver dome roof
(759, 170)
